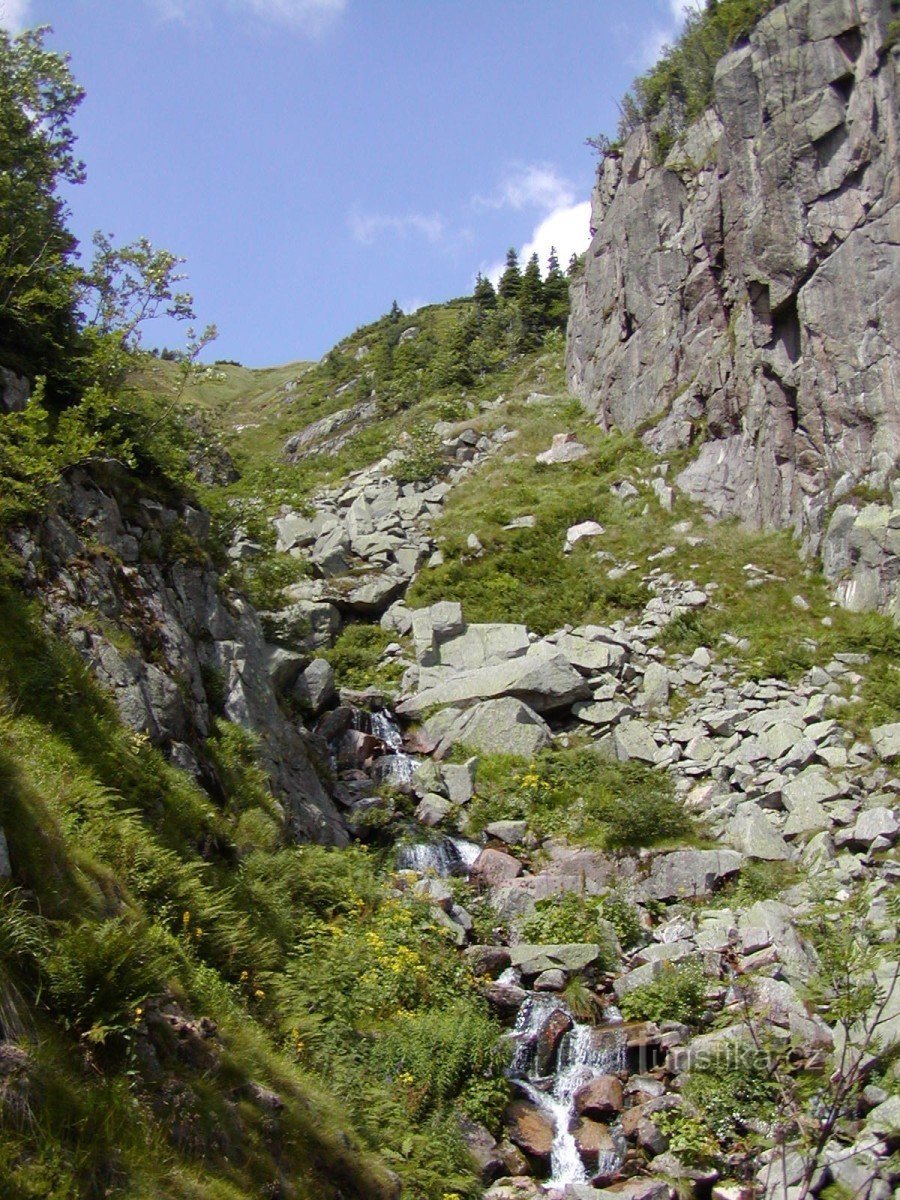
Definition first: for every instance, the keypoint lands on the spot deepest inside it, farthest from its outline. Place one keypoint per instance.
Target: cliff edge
(743, 294)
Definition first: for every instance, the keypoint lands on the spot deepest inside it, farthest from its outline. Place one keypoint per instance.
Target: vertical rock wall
(744, 295)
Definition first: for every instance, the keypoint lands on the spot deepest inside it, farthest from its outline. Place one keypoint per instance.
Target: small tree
(484, 295)
(38, 98)
(511, 280)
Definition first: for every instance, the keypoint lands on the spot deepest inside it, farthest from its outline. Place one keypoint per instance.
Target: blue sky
(315, 159)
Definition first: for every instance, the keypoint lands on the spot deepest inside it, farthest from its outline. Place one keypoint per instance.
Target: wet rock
(593, 1140)
(530, 1130)
(505, 998)
(602, 1097)
(551, 1034)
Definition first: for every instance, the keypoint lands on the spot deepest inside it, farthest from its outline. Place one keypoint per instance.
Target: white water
(584, 1053)
(447, 856)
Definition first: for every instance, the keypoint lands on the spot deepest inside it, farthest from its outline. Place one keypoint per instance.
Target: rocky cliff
(742, 296)
(127, 576)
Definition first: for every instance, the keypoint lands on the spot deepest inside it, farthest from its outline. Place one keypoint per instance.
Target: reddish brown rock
(600, 1098)
(493, 867)
(530, 1130)
(592, 1139)
(505, 998)
(555, 1028)
(487, 960)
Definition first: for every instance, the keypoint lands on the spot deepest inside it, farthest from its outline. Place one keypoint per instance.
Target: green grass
(135, 896)
(591, 800)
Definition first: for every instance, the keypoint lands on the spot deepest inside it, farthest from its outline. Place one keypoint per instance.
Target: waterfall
(395, 767)
(583, 1054)
(444, 856)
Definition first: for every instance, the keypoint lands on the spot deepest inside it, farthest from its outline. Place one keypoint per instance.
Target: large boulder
(496, 726)
(541, 678)
(686, 873)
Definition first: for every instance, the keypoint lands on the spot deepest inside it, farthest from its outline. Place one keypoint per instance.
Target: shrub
(356, 657)
(575, 917)
(678, 993)
(99, 973)
(581, 795)
(422, 460)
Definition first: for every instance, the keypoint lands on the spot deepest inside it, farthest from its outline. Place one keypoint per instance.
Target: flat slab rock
(690, 873)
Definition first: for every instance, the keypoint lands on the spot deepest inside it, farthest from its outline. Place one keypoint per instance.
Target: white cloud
(311, 16)
(660, 35)
(14, 14)
(567, 229)
(533, 185)
(367, 228)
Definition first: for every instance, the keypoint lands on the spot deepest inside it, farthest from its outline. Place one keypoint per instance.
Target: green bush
(99, 974)
(679, 87)
(575, 917)
(580, 794)
(356, 657)
(422, 458)
(678, 993)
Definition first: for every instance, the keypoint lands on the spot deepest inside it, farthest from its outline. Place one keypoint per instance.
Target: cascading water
(583, 1054)
(444, 857)
(396, 767)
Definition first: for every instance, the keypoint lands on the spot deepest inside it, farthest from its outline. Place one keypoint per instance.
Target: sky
(314, 160)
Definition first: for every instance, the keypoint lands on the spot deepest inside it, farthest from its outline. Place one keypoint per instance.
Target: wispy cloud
(309, 16)
(367, 228)
(529, 185)
(14, 14)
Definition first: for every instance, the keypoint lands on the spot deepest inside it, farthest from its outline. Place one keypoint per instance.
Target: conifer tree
(531, 300)
(556, 292)
(511, 280)
(484, 294)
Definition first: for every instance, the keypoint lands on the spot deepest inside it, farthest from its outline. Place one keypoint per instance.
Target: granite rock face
(744, 293)
(169, 640)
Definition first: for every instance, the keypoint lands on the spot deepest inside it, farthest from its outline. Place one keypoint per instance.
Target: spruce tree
(531, 300)
(556, 293)
(484, 294)
(511, 280)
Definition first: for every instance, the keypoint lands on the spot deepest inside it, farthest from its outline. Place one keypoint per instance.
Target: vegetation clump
(678, 88)
(581, 795)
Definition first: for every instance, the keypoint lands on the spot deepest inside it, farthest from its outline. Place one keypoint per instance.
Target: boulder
(751, 831)
(541, 678)
(530, 1130)
(690, 873)
(314, 687)
(593, 1140)
(886, 741)
(601, 1097)
(493, 867)
(564, 449)
(494, 726)
(571, 957)
(546, 1046)
(635, 740)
